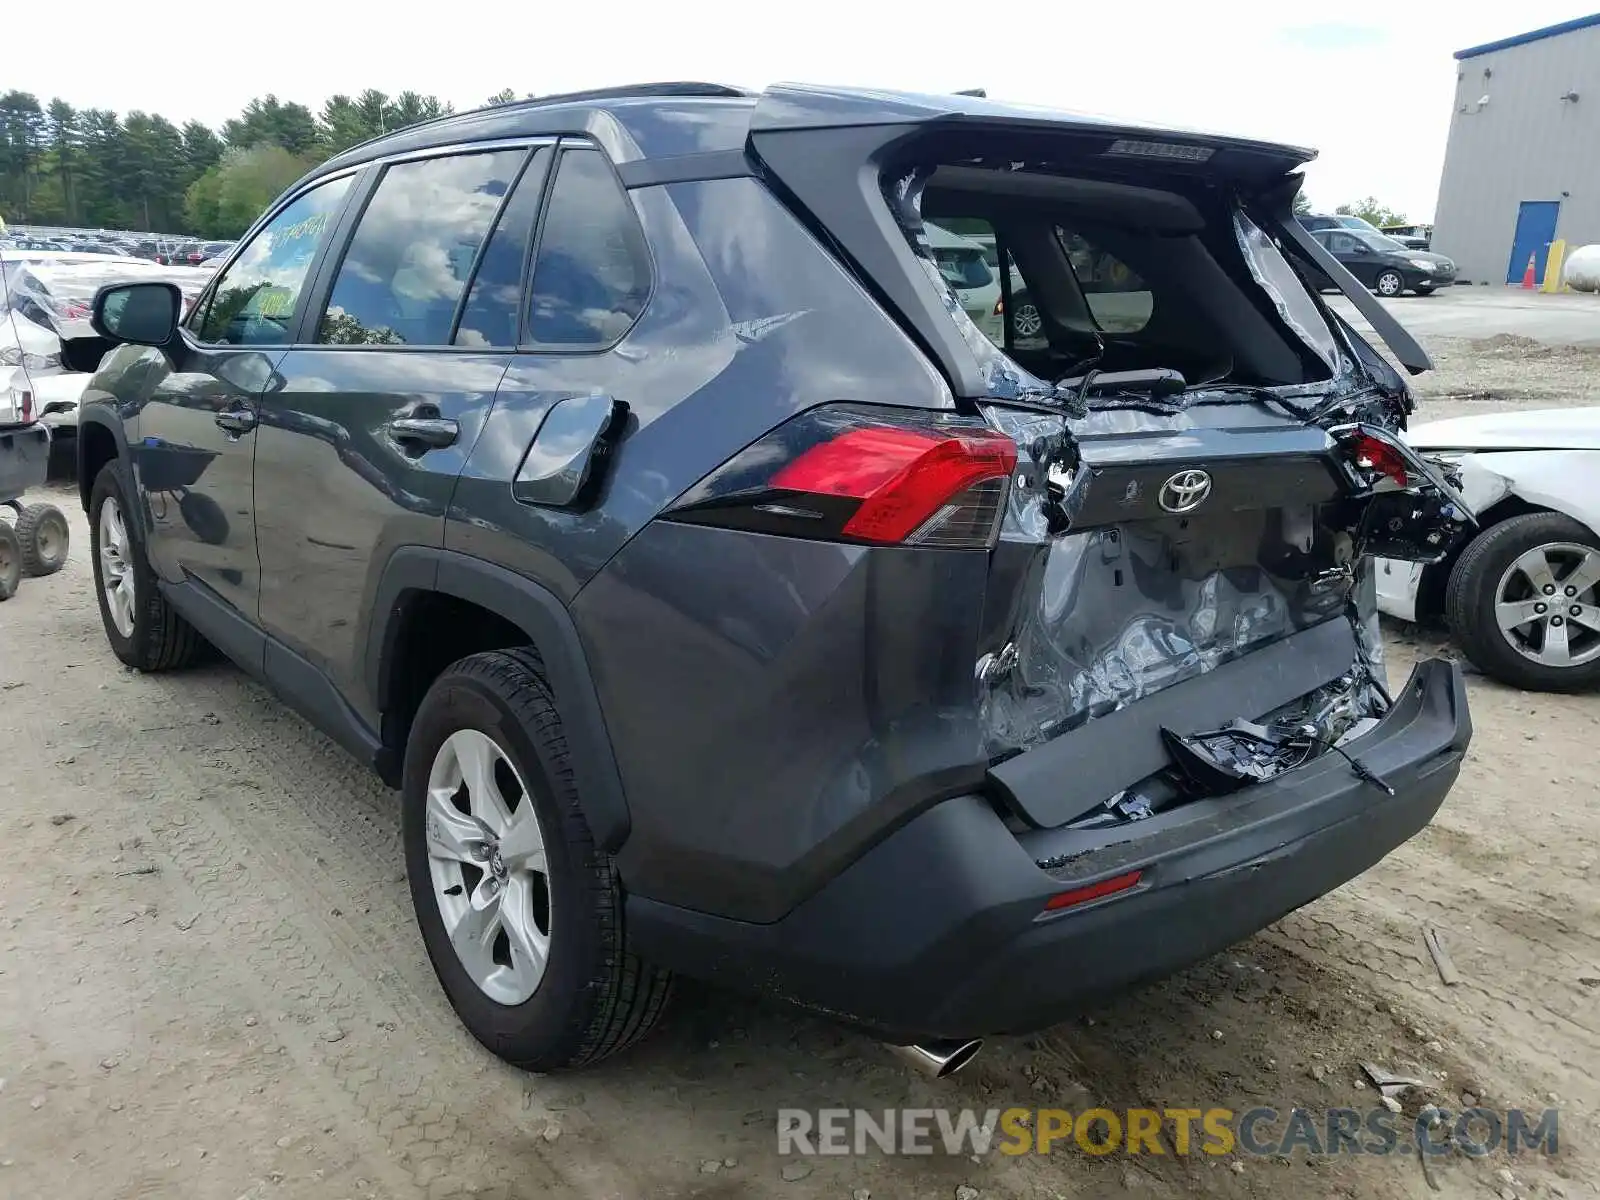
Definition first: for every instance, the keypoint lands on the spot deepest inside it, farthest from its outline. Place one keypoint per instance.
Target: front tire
(1389, 284)
(1524, 602)
(520, 911)
(144, 630)
(1424, 291)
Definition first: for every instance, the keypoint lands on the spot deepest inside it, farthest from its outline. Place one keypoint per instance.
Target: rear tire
(144, 630)
(1488, 567)
(42, 530)
(590, 996)
(10, 562)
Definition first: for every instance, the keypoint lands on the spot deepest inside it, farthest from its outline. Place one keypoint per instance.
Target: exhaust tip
(940, 1059)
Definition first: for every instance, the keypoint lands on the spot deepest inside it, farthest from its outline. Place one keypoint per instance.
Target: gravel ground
(211, 984)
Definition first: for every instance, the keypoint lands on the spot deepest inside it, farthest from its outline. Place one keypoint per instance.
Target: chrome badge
(1185, 491)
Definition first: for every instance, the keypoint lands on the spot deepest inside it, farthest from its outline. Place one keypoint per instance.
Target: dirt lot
(211, 984)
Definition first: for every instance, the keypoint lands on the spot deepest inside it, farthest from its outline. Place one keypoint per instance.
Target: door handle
(236, 421)
(432, 433)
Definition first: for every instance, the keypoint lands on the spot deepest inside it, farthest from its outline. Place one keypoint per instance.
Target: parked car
(1384, 265)
(723, 602)
(963, 266)
(1523, 596)
(45, 300)
(1413, 237)
(1315, 221)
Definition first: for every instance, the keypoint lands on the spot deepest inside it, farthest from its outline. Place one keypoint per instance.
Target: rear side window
(1120, 301)
(494, 303)
(591, 277)
(253, 303)
(408, 262)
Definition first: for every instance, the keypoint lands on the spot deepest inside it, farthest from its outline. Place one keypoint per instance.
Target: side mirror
(145, 314)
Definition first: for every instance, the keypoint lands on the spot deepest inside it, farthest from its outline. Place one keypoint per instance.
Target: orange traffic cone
(1528, 282)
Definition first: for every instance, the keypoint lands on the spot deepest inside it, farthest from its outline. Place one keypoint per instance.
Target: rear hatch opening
(1206, 455)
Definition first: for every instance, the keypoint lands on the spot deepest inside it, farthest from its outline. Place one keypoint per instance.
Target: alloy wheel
(486, 859)
(116, 567)
(1390, 284)
(1547, 604)
(1026, 322)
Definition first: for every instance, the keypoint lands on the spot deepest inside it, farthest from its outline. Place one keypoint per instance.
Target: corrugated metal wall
(1525, 144)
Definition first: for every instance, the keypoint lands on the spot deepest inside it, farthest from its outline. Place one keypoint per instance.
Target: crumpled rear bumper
(941, 931)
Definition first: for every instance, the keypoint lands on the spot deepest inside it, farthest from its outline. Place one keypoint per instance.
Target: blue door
(1536, 229)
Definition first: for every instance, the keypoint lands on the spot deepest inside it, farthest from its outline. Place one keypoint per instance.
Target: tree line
(89, 167)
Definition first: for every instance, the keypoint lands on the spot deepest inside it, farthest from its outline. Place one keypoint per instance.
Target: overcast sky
(1369, 85)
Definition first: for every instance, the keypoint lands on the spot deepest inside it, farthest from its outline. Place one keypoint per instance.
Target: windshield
(1357, 223)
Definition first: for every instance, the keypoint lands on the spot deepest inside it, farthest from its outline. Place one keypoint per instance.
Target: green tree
(1302, 204)
(503, 96)
(1371, 210)
(64, 146)
(22, 145)
(225, 200)
(269, 121)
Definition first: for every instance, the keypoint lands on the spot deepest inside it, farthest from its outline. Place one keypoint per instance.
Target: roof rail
(621, 92)
(630, 90)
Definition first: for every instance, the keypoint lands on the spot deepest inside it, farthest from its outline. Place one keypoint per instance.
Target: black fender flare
(541, 615)
(99, 416)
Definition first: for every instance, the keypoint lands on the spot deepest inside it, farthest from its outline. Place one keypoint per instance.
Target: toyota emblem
(1185, 491)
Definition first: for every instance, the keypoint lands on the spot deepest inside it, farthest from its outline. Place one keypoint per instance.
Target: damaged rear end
(1169, 467)
(1180, 601)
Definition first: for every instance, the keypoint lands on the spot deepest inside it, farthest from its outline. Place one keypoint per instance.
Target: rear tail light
(870, 475)
(1000, 307)
(18, 401)
(1380, 462)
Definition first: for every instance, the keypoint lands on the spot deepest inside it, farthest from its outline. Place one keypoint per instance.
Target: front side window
(413, 250)
(592, 274)
(253, 303)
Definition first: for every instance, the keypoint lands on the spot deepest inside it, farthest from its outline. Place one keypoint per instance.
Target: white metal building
(1522, 167)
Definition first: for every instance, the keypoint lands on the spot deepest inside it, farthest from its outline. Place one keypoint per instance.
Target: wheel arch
(100, 439)
(1436, 576)
(416, 577)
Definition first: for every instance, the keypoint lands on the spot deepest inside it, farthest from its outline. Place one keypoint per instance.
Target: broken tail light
(860, 474)
(1379, 461)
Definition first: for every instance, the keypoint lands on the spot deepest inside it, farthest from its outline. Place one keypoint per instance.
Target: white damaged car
(1522, 597)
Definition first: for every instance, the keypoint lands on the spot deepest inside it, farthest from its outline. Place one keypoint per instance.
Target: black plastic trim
(313, 695)
(220, 624)
(101, 416)
(292, 678)
(540, 614)
(941, 931)
(1051, 784)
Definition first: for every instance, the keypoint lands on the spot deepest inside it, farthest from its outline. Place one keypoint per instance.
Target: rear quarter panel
(751, 321)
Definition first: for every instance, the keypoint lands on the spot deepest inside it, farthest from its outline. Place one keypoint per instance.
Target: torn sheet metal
(1116, 613)
(1288, 294)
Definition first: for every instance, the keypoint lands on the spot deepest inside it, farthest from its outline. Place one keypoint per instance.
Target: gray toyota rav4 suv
(618, 475)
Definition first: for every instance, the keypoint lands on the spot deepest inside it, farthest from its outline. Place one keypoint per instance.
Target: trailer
(35, 543)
